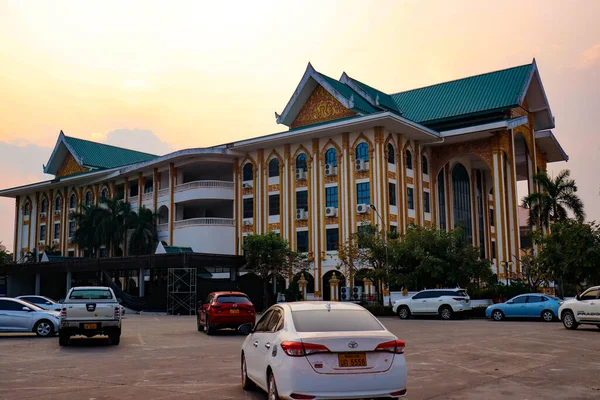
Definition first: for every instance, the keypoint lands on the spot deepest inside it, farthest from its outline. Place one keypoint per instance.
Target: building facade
(445, 155)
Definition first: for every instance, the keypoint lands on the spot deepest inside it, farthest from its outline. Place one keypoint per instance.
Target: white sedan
(323, 350)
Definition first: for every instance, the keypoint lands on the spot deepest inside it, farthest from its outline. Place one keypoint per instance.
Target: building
(449, 155)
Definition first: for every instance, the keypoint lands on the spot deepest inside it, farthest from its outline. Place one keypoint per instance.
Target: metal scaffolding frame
(181, 291)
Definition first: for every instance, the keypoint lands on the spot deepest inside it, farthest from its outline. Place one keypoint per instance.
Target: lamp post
(506, 266)
(387, 268)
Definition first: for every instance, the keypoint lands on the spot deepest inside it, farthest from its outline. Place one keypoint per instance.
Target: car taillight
(301, 396)
(394, 346)
(399, 393)
(63, 313)
(299, 349)
(117, 312)
(458, 298)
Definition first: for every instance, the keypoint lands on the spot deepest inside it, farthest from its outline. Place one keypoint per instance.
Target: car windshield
(233, 299)
(335, 321)
(91, 294)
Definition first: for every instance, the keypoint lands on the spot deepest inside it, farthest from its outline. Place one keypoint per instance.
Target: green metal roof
(385, 99)
(175, 249)
(98, 155)
(360, 105)
(491, 91)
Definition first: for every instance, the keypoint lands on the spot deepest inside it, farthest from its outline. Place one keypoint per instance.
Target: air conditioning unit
(345, 293)
(300, 174)
(247, 222)
(247, 185)
(301, 215)
(357, 292)
(330, 170)
(362, 208)
(331, 212)
(43, 215)
(41, 242)
(360, 165)
(56, 212)
(55, 241)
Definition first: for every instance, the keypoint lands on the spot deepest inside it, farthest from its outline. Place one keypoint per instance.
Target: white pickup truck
(90, 311)
(584, 309)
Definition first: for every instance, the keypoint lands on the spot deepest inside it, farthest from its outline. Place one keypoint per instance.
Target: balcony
(206, 235)
(206, 189)
(204, 222)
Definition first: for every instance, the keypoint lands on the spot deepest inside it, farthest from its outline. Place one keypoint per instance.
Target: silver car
(20, 316)
(41, 301)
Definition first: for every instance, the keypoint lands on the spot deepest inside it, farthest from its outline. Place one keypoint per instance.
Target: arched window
(461, 196)
(425, 166)
(301, 162)
(72, 201)
(26, 208)
(44, 206)
(442, 199)
(57, 203)
(391, 154)
(409, 163)
(274, 167)
(248, 172)
(331, 157)
(362, 151)
(163, 215)
(88, 198)
(104, 194)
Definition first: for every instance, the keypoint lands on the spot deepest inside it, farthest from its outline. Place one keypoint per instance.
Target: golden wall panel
(332, 220)
(391, 174)
(248, 228)
(69, 167)
(393, 218)
(302, 183)
(425, 185)
(362, 175)
(363, 217)
(274, 188)
(274, 227)
(331, 179)
(248, 191)
(321, 107)
(410, 180)
(302, 224)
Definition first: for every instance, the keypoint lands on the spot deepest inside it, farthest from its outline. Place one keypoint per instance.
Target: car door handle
(256, 343)
(268, 345)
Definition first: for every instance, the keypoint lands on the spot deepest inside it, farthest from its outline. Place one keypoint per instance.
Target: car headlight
(560, 303)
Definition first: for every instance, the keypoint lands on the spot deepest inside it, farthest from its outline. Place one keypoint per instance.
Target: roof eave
(549, 145)
(534, 73)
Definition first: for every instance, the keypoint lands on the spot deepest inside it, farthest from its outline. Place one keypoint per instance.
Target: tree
(534, 271)
(52, 250)
(268, 254)
(571, 252)
(144, 237)
(91, 232)
(5, 256)
(117, 218)
(555, 197)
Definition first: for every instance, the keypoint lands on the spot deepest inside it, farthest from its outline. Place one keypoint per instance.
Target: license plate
(349, 360)
(234, 311)
(89, 326)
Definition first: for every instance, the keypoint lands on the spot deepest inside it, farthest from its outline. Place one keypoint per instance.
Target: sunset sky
(163, 76)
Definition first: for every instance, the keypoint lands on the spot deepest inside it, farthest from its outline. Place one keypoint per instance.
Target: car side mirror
(578, 297)
(510, 302)
(27, 309)
(245, 329)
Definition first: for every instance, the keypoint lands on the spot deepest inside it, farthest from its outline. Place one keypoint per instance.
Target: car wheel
(115, 338)
(445, 312)
(210, 330)
(598, 326)
(404, 312)
(63, 338)
(247, 383)
(568, 320)
(497, 315)
(272, 394)
(44, 328)
(547, 316)
(200, 326)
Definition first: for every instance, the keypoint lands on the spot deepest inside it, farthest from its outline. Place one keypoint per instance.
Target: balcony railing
(162, 227)
(148, 196)
(205, 221)
(163, 192)
(204, 184)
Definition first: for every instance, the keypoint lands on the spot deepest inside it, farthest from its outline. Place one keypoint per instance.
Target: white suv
(442, 302)
(585, 309)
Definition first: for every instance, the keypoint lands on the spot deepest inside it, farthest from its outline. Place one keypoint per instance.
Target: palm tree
(554, 198)
(116, 220)
(144, 236)
(91, 232)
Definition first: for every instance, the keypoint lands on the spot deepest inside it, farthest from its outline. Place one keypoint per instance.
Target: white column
(499, 212)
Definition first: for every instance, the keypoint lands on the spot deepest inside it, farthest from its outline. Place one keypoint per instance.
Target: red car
(225, 310)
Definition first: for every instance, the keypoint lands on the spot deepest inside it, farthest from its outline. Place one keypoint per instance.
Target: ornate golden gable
(320, 107)
(70, 167)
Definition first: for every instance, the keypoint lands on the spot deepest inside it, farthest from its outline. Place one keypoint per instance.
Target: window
(42, 232)
(56, 231)
(392, 193)
(88, 198)
(426, 202)
(394, 228)
(590, 294)
(248, 207)
(491, 217)
(44, 206)
(493, 250)
(274, 167)
(91, 294)
(26, 209)
(57, 203)
(410, 198)
(336, 320)
(104, 194)
(233, 299)
(102, 252)
(262, 323)
(442, 200)
(248, 172)
(519, 300)
(302, 241)
(71, 228)
(462, 200)
(72, 201)
(148, 188)
(362, 152)
(363, 193)
(391, 154)
(408, 159)
(274, 204)
(331, 157)
(134, 190)
(301, 162)
(331, 196)
(333, 239)
(9, 305)
(302, 200)
(425, 166)
(71, 253)
(430, 294)
(534, 299)
(275, 322)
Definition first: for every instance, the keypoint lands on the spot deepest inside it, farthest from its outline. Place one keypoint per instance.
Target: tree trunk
(266, 293)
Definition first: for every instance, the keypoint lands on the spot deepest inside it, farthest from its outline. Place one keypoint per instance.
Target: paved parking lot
(164, 357)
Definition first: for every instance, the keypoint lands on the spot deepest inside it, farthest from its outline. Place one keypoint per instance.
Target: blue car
(532, 305)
